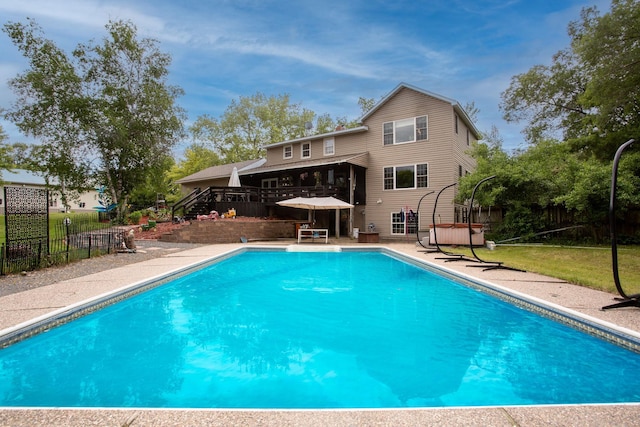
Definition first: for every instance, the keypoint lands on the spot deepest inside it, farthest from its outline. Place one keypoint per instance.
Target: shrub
(134, 217)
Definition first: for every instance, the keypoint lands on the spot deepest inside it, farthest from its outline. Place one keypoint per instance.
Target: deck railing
(246, 200)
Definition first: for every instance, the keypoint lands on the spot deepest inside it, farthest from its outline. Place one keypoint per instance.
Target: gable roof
(455, 104)
(221, 171)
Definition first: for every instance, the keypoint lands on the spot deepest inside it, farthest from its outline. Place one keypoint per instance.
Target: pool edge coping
(178, 271)
(608, 331)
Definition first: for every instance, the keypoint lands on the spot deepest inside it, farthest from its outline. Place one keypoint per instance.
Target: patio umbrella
(313, 203)
(319, 203)
(234, 179)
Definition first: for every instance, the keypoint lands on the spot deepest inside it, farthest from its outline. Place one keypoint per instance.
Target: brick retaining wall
(230, 231)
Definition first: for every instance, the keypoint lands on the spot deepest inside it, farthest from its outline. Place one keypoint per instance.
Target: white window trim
(302, 156)
(288, 148)
(405, 228)
(332, 145)
(415, 177)
(414, 131)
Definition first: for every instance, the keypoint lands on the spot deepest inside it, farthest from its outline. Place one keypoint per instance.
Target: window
(270, 183)
(467, 136)
(404, 222)
(82, 205)
(410, 176)
(455, 121)
(329, 147)
(422, 176)
(306, 150)
(287, 152)
(406, 130)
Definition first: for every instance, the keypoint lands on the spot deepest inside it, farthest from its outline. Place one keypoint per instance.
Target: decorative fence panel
(32, 241)
(26, 227)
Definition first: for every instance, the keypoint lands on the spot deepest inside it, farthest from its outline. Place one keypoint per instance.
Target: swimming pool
(327, 330)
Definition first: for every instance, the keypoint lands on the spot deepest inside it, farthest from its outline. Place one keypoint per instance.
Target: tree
(547, 97)
(6, 161)
(609, 48)
(472, 111)
(156, 182)
(366, 104)
(104, 116)
(249, 124)
(197, 157)
(590, 92)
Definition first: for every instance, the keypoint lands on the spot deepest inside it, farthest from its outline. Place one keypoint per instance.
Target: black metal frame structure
(450, 256)
(625, 300)
(428, 250)
(489, 265)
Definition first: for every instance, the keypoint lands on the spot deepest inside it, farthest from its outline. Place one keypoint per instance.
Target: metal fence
(70, 239)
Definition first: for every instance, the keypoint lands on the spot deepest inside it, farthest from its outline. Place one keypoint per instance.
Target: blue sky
(325, 54)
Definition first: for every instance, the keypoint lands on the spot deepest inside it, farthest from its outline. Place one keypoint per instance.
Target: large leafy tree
(252, 122)
(590, 92)
(249, 124)
(196, 158)
(157, 183)
(590, 95)
(104, 116)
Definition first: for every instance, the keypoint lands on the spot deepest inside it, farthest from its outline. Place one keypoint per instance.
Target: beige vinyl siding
(344, 144)
(441, 152)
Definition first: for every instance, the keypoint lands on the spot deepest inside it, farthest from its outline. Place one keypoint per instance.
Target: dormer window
(329, 147)
(405, 130)
(306, 150)
(287, 152)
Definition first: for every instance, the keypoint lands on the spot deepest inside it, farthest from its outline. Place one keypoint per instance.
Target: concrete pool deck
(27, 305)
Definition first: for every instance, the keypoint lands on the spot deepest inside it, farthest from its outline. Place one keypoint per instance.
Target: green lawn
(586, 266)
(55, 219)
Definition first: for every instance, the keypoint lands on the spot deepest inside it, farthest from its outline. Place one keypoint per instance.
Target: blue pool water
(314, 330)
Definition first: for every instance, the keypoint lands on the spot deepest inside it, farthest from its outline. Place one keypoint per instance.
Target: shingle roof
(222, 171)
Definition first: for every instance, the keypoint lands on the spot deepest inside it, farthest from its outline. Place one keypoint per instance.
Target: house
(412, 142)
(24, 178)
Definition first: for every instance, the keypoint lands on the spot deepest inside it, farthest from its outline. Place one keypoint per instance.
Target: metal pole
(627, 300)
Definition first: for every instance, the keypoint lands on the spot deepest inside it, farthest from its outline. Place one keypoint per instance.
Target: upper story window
(410, 176)
(405, 130)
(287, 152)
(455, 121)
(329, 147)
(306, 150)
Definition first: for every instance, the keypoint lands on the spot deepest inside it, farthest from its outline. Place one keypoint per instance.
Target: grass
(586, 266)
(55, 219)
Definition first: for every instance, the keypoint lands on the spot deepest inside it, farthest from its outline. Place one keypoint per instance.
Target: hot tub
(456, 234)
